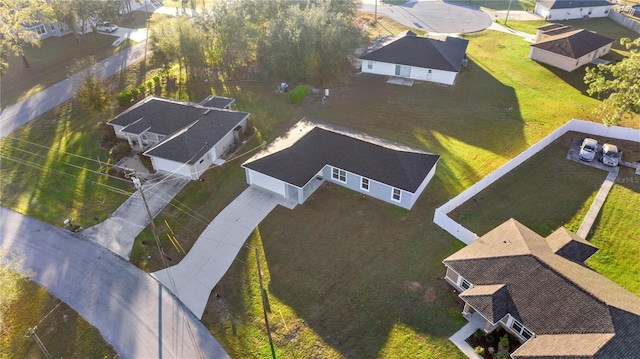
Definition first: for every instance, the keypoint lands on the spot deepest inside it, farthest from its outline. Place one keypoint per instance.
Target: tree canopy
(15, 17)
(618, 83)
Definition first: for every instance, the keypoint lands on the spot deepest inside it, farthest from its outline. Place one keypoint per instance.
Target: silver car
(588, 149)
(610, 155)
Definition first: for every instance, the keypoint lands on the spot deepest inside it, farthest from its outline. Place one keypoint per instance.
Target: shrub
(156, 80)
(142, 88)
(298, 94)
(479, 350)
(478, 334)
(149, 85)
(504, 341)
(119, 151)
(135, 92)
(124, 97)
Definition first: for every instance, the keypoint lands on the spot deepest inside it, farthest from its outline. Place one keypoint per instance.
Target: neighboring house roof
(571, 42)
(299, 155)
(412, 50)
(522, 273)
(571, 4)
(217, 101)
(190, 128)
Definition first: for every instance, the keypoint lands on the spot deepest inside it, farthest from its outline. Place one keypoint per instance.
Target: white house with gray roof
(572, 9)
(417, 58)
(311, 152)
(180, 137)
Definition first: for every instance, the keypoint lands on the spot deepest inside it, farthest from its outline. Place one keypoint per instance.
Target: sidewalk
(458, 339)
(592, 214)
(120, 230)
(217, 247)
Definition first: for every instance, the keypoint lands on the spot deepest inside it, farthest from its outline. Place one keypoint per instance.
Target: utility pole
(32, 334)
(138, 184)
(508, 10)
(375, 16)
(264, 305)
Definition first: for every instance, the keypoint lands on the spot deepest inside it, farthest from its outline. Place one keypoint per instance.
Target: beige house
(568, 48)
(540, 290)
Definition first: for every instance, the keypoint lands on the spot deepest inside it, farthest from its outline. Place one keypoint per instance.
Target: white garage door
(266, 182)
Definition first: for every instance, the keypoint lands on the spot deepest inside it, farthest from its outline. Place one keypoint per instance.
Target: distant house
(418, 58)
(183, 138)
(568, 48)
(572, 9)
(540, 290)
(297, 163)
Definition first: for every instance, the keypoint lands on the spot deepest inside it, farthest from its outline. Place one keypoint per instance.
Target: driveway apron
(193, 279)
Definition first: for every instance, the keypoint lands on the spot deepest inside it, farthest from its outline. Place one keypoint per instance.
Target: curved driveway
(434, 16)
(133, 311)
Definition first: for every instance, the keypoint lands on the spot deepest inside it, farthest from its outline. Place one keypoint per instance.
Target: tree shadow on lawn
(354, 267)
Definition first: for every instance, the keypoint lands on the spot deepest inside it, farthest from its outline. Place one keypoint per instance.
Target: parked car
(106, 27)
(588, 149)
(610, 155)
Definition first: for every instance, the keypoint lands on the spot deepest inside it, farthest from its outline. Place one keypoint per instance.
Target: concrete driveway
(132, 311)
(217, 247)
(434, 16)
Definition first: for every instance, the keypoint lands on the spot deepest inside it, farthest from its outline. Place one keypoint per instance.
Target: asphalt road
(24, 111)
(132, 310)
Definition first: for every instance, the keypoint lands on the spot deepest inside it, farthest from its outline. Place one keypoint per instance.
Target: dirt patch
(413, 287)
(429, 295)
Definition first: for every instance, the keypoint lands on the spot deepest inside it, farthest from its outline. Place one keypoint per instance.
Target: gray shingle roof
(297, 156)
(554, 297)
(571, 4)
(571, 42)
(422, 52)
(217, 101)
(190, 128)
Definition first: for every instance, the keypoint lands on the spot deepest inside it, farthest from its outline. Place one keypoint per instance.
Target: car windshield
(611, 154)
(589, 148)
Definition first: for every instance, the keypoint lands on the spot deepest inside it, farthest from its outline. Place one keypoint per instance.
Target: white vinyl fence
(441, 217)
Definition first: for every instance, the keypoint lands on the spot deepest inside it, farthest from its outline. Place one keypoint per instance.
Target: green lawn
(47, 169)
(63, 332)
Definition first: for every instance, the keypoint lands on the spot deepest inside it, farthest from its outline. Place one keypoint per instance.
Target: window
(369, 65)
(338, 174)
(364, 184)
(396, 195)
(520, 329)
(39, 29)
(464, 284)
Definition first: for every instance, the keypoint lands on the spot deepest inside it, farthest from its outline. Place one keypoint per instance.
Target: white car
(588, 149)
(610, 155)
(106, 27)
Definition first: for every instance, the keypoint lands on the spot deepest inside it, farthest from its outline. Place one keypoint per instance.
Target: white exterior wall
(563, 62)
(542, 11)
(164, 165)
(269, 183)
(119, 134)
(417, 73)
(577, 13)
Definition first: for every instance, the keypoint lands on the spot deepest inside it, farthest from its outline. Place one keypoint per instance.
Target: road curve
(132, 310)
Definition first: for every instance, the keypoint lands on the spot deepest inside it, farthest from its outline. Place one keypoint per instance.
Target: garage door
(266, 182)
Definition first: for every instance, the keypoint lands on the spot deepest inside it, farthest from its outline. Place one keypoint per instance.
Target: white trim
(362, 184)
(337, 174)
(393, 194)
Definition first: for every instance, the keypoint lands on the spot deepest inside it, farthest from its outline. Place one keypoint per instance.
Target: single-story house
(311, 152)
(540, 290)
(180, 137)
(568, 48)
(572, 9)
(418, 58)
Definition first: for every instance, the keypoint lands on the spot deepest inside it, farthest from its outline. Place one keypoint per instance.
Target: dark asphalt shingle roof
(571, 42)
(190, 128)
(571, 4)
(411, 50)
(217, 101)
(318, 144)
(554, 297)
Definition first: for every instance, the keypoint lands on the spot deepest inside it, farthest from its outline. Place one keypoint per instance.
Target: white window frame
(365, 184)
(40, 29)
(370, 65)
(394, 192)
(523, 331)
(339, 175)
(462, 283)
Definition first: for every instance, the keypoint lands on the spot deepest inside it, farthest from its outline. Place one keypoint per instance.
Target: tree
(92, 93)
(178, 39)
(619, 83)
(81, 15)
(14, 16)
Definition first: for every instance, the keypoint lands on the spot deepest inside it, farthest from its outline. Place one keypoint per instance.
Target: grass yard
(63, 332)
(49, 63)
(47, 169)
(516, 5)
(617, 235)
(548, 191)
